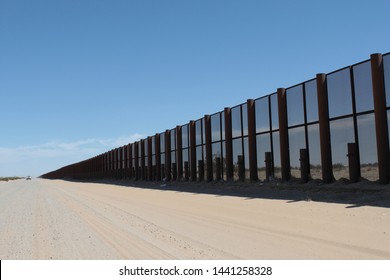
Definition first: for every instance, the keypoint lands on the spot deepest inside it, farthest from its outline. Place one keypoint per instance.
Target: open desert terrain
(54, 219)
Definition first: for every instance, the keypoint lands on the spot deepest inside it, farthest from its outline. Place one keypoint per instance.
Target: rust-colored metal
(168, 161)
(113, 164)
(252, 140)
(125, 162)
(119, 173)
(192, 151)
(116, 163)
(208, 156)
(323, 117)
(228, 144)
(381, 122)
(158, 157)
(136, 161)
(120, 162)
(130, 151)
(283, 134)
(149, 155)
(179, 153)
(143, 177)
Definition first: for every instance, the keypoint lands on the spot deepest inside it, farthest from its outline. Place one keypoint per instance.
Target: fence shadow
(359, 194)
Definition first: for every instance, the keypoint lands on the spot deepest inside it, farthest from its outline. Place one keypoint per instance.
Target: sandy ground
(44, 219)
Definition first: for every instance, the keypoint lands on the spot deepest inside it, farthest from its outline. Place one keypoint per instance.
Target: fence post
(120, 161)
(130, 150)
(228, 144)
(168, 161)
(323, 117)
(381, 122)
(192, 151)
(149, 156)
(283, 134)
(136, 161)
(158, 157)
(252, 140)
(179, 153)
(143, 177)
(208, 156)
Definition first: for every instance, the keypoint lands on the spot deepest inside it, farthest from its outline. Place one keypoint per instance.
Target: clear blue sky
(78, 77)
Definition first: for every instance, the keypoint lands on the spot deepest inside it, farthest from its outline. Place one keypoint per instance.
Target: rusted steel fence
(332, 127)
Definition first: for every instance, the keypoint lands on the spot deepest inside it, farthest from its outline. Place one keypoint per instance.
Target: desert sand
(54, 219)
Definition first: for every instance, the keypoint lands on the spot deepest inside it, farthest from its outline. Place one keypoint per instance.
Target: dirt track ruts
(43, 219)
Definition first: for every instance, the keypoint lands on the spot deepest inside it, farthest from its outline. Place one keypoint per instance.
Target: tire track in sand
(133, 236)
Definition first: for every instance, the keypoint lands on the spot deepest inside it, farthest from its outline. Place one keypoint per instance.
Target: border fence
(331, 127)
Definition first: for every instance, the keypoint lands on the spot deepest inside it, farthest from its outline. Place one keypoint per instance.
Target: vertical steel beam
(115, 155)
(381, 122)
(136, 161)
(208, 156)
(115, 158)
(104, 173)
(114, 163)
(125, 161)
(228, 144)
(122, 163)
(252, 140)
(120, 157)
(150, 167)
(117, 163)
(323, 118)
(158, 157)
(131, 161)
(142, 143)
(192, 151)
(179, 153)
(168, 160)
(283, 134)
(105, 164)
(100, 166)
(109, 164)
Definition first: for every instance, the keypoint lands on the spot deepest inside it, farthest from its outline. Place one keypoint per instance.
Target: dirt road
(43, 219)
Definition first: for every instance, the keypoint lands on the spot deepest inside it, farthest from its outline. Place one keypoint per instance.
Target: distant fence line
(331, 127)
